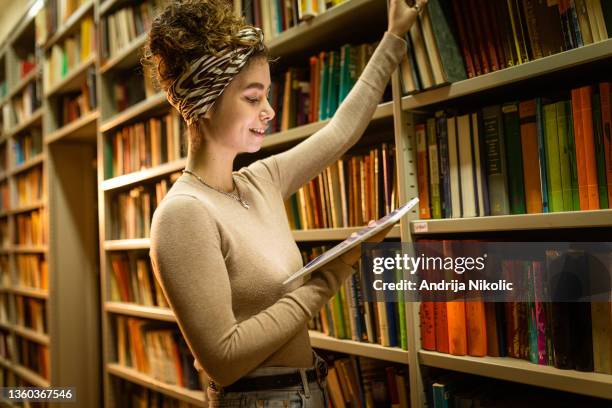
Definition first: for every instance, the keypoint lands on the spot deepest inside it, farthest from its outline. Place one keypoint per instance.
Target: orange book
(586, 94)
(422, 172)
(441, 321)
(606, 120)
(457, 333)
(580, 152)
(492, 338)
(531, 159)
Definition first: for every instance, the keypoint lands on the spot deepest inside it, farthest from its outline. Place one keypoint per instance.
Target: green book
(333, 83)
(401, 312)
(600, 155)
(495, 160)
(323, 86)
(571, 150)
(514, 158)
(564, 161)
(338, 316)
(108, 158)
(553, 167)
(295, 211)
(434, 169)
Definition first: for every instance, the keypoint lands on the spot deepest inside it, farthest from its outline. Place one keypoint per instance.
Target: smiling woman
(221, 245)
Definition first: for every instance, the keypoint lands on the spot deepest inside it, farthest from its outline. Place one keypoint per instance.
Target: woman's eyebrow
(256, 85)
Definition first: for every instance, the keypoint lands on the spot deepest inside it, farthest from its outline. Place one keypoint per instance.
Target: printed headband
(197, 89)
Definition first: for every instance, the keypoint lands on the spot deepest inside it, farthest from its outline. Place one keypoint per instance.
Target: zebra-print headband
(197, 89)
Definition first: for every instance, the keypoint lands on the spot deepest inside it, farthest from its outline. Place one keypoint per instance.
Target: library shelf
(6, 326)
(376, 351)
(105, 5)
(6, 251)
(73, 79)
(557, 62)
(191, 396)
(127, 244)
(335, 234)
(319, 29)
(384, 110)
(25, 332)
(30, 376)
(517, 370)
(82, 129)
(557, 220)
(4, 362)
(29, 249)
(142, 175)
(28, 164)
(126, 57)
(69, 24)
(30, 207)
(23, 23)
(30, 76)
(30, 292)
(135, 310)
(34, 119)
(135, 111)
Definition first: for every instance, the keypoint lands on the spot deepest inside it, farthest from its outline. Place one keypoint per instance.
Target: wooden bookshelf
(370, 350)
(83, 129)
(70, 303)
(346, 19)
(517, 370)
(73, 80)
(196, 398)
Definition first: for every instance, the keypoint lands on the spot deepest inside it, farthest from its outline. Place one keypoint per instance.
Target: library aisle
(498, 119)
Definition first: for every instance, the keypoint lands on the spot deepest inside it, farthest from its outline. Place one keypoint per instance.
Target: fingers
(418, 5)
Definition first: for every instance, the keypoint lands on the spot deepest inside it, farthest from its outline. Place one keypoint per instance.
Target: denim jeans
(303, 395)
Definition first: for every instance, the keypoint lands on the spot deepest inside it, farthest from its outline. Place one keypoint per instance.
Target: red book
(428, 329)
(464, 41)
(531, 159)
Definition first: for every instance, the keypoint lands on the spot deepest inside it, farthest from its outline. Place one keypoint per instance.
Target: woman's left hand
(402, 16)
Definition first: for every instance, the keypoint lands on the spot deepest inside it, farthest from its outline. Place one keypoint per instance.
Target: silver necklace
(237, 197)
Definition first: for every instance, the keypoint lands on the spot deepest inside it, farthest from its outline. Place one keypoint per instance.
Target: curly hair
(183, 32)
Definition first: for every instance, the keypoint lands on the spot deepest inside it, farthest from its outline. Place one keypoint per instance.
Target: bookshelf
(54, 269)
(342, 24)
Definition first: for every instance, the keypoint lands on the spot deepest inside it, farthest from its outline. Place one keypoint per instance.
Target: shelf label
(419, 227)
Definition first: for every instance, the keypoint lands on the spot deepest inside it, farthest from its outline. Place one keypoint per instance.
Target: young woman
(221, 245)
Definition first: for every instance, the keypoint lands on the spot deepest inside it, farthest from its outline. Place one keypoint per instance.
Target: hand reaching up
(402, 16)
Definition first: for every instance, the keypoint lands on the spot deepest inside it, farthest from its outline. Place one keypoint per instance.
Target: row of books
(30, 187)
(26, 102)
(145, 144)
(32, 355)
(31, 228)
(451, 389)
(452, 41)
(5, 271)
(31, 313)
(132, 210)
(75, 105)
(522, 157)
(306, 95)
(274, 17)
(131, 87)
(51, 17)
(32, 271)
(355, 382)
(351, 192)
(65, 56)
(26, 65)
(120, 28)
(565, 335)
(131, 395)
(132, 280)
(348, 315)
(156, 349)
(27, 146)
(4, 307)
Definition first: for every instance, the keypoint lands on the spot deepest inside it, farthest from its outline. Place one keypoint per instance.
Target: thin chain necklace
(237, 197)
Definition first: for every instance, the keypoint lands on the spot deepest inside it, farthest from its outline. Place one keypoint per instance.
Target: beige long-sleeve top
(221, 266)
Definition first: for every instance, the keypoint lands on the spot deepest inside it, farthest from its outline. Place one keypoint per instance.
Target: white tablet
(354, 240)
